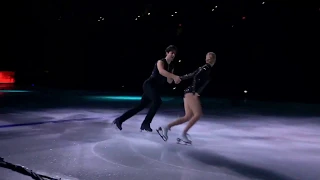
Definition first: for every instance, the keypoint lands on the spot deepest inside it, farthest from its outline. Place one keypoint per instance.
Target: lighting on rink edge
(122, 86)
(212, 9)
(174, 88)
(263, 2)
(172, 15)
(148, 14)
(175, 12)
(14, 91)
(179, 61)
(245, 91)
(216, 7)
(121, 98)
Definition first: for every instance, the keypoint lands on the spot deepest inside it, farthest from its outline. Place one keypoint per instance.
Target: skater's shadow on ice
(243, 169)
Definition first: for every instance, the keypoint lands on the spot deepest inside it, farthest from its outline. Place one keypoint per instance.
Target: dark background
(273, 53)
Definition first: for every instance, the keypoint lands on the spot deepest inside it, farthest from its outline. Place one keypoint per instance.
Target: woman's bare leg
(185, 118)
(196, 109)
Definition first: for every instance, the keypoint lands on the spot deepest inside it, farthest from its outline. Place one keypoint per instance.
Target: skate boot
(184, 139)
(163, 132)
(145, 127)
(118, 123)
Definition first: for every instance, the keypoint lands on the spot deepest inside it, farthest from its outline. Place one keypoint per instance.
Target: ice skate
(118, 124)
(184, 139)
(145, 128)
(163, 132)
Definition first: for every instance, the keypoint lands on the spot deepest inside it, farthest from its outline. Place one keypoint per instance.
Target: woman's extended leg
(185, 118)
(195, 106)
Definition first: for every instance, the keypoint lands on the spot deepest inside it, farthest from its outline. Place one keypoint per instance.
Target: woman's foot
(163, 132)
(185, 139)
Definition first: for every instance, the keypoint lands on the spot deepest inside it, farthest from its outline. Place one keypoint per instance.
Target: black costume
(151, 94)
(201, 78)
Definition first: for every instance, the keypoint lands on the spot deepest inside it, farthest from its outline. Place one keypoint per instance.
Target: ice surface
(223, 147)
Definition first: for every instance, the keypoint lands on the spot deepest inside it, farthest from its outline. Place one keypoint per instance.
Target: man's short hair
(171, 48)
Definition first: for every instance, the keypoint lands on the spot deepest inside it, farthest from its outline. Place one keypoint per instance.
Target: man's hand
(176, 79)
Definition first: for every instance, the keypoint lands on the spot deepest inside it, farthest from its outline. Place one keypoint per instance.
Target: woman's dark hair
(171, 48)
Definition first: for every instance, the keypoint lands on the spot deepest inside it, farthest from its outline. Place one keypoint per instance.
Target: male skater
(151, 90)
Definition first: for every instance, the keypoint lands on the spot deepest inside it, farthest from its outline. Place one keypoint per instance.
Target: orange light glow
(7, 77)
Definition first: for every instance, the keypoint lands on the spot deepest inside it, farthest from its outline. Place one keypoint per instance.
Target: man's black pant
(151, 96)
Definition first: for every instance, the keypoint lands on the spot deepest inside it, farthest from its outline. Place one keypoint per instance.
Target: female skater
(192, 106)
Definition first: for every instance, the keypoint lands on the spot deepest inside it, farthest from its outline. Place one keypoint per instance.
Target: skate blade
(182, 142)
(163, 138)
(115, 126)
(145, 130)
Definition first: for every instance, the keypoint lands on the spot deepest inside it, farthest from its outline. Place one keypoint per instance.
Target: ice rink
(73, 138)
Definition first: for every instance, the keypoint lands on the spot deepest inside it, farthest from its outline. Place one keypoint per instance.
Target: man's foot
(118, 124)
(146, 127)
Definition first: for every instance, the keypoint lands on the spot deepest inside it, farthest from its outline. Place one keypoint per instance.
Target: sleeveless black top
(156, 78)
